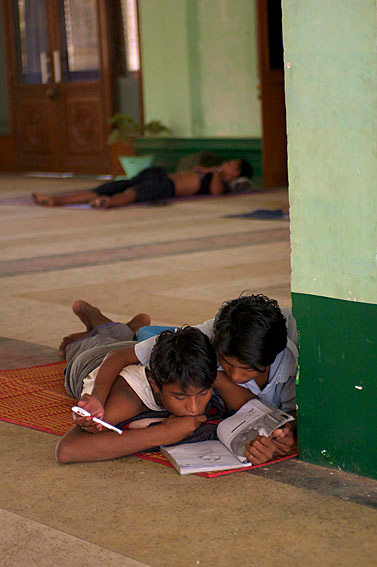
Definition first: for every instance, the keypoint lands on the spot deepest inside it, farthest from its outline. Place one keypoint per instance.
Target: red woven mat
(35, 397)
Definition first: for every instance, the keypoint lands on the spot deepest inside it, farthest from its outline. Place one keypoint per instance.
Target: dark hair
(246, 169)
(251, 329)
(184, 356)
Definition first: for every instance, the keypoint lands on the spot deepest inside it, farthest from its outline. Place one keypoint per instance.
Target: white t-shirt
(136, 377)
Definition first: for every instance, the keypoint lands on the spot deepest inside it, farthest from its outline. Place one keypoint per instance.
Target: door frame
(272, 95)
(105, 80)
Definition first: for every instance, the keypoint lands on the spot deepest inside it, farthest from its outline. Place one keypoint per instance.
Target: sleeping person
(154, 183)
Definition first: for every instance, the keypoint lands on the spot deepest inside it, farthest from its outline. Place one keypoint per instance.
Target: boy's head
(236, 168)
(183, 367)
(249, 332)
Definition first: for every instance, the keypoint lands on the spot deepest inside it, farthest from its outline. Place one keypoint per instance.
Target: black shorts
(150, 184)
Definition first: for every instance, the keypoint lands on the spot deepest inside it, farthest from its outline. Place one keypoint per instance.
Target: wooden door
(59, 84)
(271, 70)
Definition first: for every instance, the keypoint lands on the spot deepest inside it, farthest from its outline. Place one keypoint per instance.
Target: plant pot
(132, 165)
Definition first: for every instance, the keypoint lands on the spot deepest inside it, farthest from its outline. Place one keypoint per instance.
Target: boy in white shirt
(183, 368)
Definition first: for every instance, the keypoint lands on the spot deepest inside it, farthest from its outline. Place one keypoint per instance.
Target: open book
(254, 418)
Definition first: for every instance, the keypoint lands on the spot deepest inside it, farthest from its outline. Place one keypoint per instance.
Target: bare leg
(68, 199)
(91, 317)
(120, 199)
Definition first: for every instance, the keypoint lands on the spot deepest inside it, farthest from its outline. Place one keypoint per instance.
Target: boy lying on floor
(154, 183)
(183, 368)
(256, 345)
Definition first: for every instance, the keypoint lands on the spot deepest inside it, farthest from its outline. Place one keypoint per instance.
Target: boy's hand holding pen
(87, 420)
(92, 404)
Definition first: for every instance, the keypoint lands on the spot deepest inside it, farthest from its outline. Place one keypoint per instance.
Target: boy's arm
(285, 437)
(235, 396)
(203, 169)
(111, 366)
(216, 186)
(282, 440)
(279, 444)
(79, 446)
(122, 404)
(262, 449)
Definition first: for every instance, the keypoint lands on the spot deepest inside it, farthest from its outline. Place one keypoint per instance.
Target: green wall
(331, 92)
(169, 151)
(199, 61)
(337, 389)
(331, 76)
(165, 64)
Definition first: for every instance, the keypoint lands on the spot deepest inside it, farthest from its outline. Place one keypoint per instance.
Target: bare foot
(101, 203)
(89, 315)
(140, 320)
(70, 339)
(44, 200)
(92, 317)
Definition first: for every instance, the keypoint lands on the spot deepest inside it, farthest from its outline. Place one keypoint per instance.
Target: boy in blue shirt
(256, 343)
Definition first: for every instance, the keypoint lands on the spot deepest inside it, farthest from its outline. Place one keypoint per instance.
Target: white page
(254, 418)
(202, 457)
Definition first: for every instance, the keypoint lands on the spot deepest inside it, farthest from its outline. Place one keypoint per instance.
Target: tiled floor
(178, 263)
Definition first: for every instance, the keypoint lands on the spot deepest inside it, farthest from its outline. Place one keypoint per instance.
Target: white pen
(84, 413)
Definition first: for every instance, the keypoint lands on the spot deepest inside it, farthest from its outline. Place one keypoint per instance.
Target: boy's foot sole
(89, 315)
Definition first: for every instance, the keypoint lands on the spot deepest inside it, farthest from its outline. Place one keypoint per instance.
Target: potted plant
(124, 131)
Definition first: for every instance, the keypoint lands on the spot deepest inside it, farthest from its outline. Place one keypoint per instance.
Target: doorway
(271, 71)
(59, 84)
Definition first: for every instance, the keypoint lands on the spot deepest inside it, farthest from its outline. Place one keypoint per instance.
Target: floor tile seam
(134, 224)
(125, 254)
(149, 230)
(43, 525)
(167, 242)
(15, 250)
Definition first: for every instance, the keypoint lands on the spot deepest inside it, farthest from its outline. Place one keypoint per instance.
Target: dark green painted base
(337, 384)
(169, 151)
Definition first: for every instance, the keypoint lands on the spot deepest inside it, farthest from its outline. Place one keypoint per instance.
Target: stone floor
(178, 263)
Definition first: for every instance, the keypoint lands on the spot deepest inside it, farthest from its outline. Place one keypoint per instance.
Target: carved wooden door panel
(60, 84)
